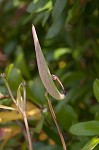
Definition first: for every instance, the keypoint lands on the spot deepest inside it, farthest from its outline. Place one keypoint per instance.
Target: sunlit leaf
(61, 51)
(31, 110)
(44, 71)
(48, 5)
(39, 5)
(91, 144)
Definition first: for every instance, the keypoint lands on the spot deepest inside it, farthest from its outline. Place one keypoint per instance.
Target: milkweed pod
(44, 71)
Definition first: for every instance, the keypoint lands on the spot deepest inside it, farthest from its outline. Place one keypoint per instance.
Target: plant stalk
(22, 111)
(27, 131)
(25, 117)
(55, 120)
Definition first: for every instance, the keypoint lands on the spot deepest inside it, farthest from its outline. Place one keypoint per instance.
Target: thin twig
(27, 130)
(25, 118)
(55, 120)
(11, 95)
(3, 75)
(22, 111)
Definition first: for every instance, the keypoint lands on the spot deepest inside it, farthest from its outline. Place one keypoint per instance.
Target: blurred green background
(68, 31)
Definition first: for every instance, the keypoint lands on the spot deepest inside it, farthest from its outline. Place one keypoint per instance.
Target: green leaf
(91, 144)
(74, 12)
(33, 6)
(50, 148)
(39, 6)
(13, 76)
(66, 115)
(94, 109)
(96, 89)
(40, 89)
(20, 62)
(48, 5)
(5, 101)
(46, 16)
(55, 28)
(61, 51)
(89, 128)
(39, 125)
(58, 9)
(44, 71)
(31, 94)
(72, 77)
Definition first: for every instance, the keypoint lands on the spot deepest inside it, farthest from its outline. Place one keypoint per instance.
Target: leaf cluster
(68, 34)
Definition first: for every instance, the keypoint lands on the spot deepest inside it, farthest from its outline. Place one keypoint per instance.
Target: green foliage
(68, 115)
(86, 128)
(96, 89)
(91, 144)
(69, 37)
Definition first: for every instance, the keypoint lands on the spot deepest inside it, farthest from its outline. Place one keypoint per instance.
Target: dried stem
(12, 97)
(21, 110)
(55, 120)
(56, 78)
(24, 96)
(25, 118)
(27, 130)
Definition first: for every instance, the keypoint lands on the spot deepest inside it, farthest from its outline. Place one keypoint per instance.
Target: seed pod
(44, 71)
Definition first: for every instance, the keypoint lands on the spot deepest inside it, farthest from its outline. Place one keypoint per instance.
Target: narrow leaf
(58, 8)
(13, 76)
(6, 107)
(96, 89)
(44, 71)
(91, 144)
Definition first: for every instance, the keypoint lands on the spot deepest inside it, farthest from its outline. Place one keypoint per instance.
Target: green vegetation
(68, 34)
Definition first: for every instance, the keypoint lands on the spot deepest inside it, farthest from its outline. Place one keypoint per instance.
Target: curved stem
(56, 78)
